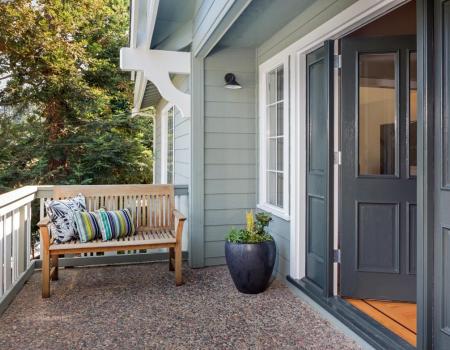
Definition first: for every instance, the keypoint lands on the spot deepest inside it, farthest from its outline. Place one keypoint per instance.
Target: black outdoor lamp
(230, 82)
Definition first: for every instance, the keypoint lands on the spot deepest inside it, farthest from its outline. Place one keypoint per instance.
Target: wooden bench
(158, 225)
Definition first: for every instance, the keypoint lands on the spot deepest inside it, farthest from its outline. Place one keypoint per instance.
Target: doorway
(377, 220)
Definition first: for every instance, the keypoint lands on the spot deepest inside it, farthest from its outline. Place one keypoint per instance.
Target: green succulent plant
(255, 231)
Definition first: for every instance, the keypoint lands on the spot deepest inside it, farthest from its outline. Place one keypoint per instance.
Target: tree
(69, 104)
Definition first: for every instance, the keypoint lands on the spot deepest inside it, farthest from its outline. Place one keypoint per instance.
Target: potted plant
(250, 254)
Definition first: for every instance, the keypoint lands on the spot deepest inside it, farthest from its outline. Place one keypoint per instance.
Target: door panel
(442, 176)
(378, 194)
(319, 201)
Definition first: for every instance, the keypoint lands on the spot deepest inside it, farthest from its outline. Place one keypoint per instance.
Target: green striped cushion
(87, 225)
(115, 224)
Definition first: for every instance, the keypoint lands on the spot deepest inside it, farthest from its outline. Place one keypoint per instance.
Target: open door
(378, 193)
(319, 202)
(442, 177)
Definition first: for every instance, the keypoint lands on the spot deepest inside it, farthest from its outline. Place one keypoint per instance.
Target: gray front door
(378, 188)
(319, 202)
(442, 177)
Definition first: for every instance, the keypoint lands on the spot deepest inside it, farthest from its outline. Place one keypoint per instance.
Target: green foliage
(257, 234)
(68, 118)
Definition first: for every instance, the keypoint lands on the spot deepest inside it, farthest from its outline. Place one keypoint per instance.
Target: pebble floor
(139, 307)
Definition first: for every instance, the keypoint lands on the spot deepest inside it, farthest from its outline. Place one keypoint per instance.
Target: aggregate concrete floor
(139, 307)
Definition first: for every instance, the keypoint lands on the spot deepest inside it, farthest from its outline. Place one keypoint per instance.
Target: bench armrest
(179, 220)
(178, 215)
(44, 222)
(44, 232)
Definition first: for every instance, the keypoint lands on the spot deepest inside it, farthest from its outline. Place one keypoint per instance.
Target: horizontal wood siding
(230, 147)
(280, 231)
(182, 155)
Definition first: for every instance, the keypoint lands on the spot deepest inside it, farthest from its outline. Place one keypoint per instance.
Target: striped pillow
(115, 224)
(87, 226)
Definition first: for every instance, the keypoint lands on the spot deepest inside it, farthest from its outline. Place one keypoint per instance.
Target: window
(167, 145)
(170, 153)
(274, 154)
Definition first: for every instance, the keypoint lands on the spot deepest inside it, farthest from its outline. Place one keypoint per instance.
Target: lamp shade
(231, 83)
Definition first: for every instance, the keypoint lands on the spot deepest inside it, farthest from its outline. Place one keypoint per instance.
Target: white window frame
(165, 142)
(264, 70)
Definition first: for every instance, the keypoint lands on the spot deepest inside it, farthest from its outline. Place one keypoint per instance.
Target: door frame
(358, 14)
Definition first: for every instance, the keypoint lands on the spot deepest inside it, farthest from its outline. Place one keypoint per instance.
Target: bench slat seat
(158, 225)
(148, 238)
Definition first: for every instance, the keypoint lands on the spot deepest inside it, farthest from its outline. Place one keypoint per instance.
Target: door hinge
(337, 256)
(338, 158)
(337, 61)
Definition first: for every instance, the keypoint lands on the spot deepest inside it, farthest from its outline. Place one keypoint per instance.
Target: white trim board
(263, 203)
(164, 140)
(346, 21)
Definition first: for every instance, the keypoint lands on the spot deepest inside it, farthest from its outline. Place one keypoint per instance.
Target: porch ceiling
(139, 307)
(151, 96)
(262, 19)
(172, 14)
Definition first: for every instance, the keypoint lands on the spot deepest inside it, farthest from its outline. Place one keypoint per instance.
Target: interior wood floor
(398, 317)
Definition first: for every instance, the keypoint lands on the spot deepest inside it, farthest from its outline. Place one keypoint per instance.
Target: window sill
(274, 211)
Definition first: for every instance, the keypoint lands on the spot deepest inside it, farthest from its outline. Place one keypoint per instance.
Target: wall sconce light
(230, 82)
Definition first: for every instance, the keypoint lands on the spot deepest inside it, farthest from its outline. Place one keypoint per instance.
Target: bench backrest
(150, 205)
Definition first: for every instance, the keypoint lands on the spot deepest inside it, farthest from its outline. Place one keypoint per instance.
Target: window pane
(272, 154)
(272, 120)
(377, 114)
(280, 153)
(272, 87)
(280, 80)
(280, 116)
(280, 190)
(412, 114)
(272, 188)
(275, 136)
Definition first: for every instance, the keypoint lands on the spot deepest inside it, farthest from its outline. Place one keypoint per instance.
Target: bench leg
(171, 257)
(178, 265)
(45, 273)
(55, 259)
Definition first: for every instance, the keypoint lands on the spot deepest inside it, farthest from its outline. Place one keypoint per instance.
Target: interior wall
(401, 21)
(379, 108)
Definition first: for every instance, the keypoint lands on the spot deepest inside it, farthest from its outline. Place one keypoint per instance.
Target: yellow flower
(250, 221)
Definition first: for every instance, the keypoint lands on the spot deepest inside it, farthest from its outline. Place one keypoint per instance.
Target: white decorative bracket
(156, 66)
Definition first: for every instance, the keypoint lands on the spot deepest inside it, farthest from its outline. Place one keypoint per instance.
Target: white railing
(15, 235)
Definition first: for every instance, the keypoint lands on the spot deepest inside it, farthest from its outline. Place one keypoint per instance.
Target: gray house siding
(230, 147)
(230, 140)
(182, 156)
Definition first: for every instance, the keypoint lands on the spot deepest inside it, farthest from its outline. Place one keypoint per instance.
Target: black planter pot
(251, 265)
